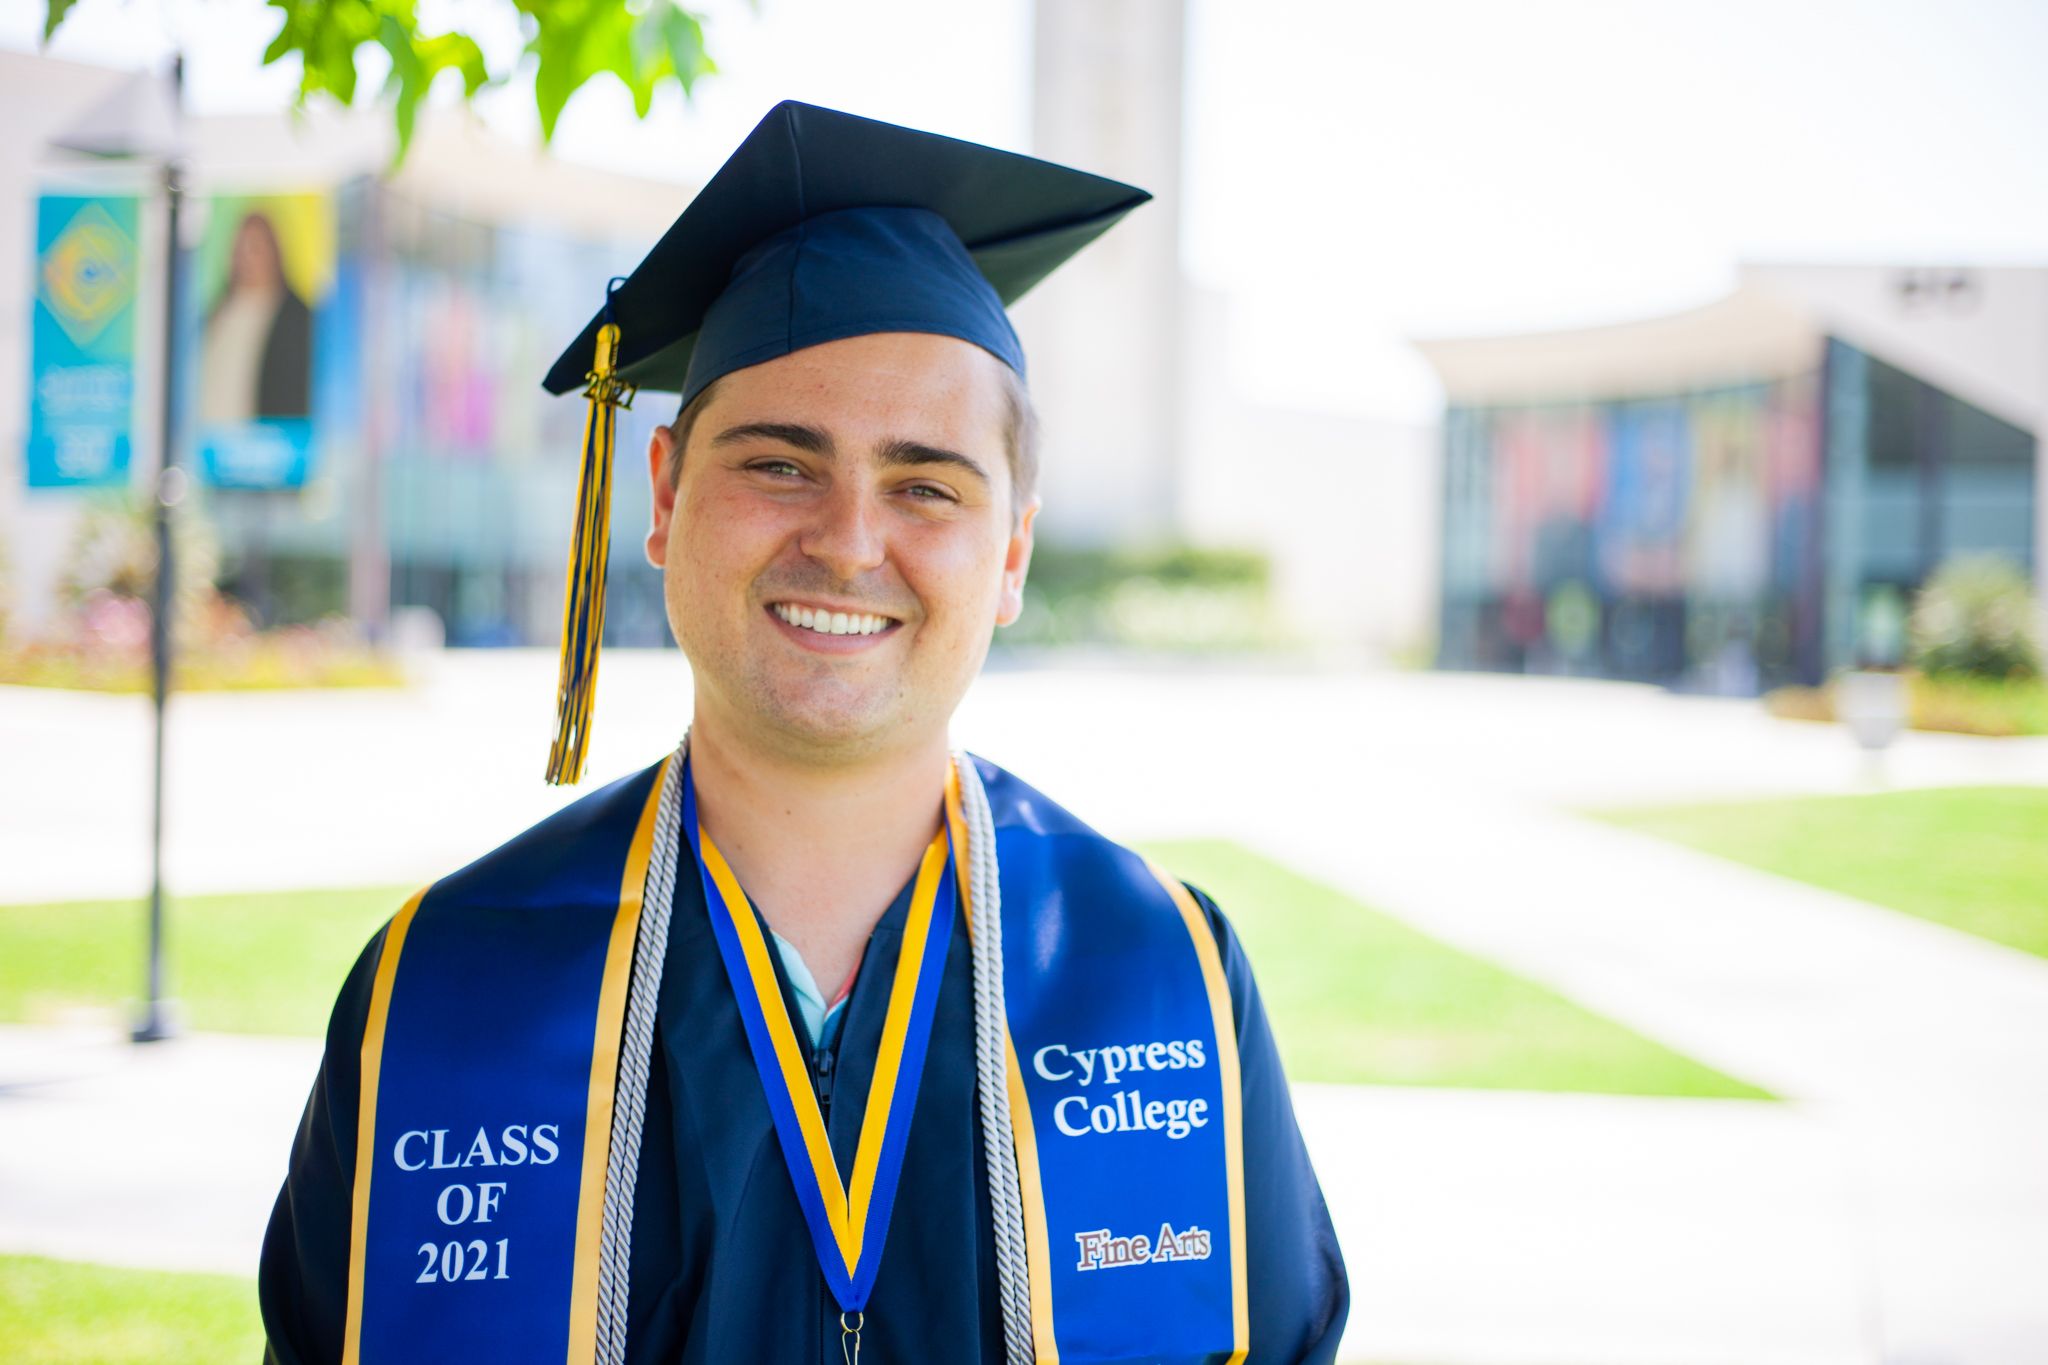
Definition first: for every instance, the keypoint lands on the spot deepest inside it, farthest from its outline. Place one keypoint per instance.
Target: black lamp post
(140, 121)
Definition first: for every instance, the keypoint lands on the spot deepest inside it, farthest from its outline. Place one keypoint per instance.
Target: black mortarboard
(1017, 217)
(821, 226)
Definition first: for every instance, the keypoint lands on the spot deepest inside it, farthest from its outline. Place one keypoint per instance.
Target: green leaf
(681, 35)
(416, 61)
(326, 34)
(574, 40)
(58, 9)
(578, 40)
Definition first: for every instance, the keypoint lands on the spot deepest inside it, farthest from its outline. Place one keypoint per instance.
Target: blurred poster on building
(265, 265)
(82, 366)
(1670, 539)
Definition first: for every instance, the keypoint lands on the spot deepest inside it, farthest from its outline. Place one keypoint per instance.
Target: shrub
(1173, 597)
(99, 639)
(1975, 618)
(1967, 705)
(1955, 702)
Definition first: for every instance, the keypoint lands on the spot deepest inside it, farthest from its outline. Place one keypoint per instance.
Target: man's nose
(847, 537)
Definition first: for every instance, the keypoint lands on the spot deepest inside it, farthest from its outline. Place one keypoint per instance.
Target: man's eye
(781, 467)
(931, 491)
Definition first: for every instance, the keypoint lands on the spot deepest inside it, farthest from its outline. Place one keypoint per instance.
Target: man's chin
(833, 718)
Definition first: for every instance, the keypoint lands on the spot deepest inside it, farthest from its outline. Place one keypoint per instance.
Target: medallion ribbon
(849, 1221)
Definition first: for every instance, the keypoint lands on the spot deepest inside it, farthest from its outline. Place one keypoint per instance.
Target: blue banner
(276, 452)
(82, 367)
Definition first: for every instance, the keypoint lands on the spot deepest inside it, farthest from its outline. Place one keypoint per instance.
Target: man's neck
(822, 848)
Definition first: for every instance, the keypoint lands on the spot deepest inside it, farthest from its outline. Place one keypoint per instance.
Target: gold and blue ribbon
(849, 1220)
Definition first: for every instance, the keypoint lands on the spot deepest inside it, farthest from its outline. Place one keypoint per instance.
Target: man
(816, 1038)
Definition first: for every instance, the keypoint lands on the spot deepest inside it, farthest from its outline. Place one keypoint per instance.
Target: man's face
(842, 540)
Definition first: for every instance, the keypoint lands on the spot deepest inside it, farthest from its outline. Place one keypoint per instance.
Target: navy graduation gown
(723, 1267)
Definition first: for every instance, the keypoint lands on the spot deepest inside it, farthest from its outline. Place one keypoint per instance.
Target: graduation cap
(821, 226)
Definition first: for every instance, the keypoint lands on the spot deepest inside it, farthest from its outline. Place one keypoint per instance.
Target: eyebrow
(810, 439)
(814, 440)
(901, 453)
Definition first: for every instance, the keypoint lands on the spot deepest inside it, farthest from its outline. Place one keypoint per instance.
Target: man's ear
(1016, 564)
(660, 452)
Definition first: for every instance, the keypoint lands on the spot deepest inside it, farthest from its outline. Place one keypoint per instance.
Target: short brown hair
(1020, 437)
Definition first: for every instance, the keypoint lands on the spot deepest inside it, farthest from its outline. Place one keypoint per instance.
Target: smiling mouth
(831, 622)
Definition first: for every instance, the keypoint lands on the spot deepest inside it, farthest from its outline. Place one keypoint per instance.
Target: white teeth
(832, 622)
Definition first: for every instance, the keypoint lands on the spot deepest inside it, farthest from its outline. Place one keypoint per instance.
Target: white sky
(1359, 171)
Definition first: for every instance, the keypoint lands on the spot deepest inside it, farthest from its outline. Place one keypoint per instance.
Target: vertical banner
(82, 366)
(265, 266)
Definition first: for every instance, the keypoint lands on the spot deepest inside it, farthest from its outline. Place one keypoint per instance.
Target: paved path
(357, 788)
(1602, 1230)
(1896, 1211)
(165, 1157)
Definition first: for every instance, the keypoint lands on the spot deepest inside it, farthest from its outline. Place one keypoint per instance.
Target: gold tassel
(589, 557)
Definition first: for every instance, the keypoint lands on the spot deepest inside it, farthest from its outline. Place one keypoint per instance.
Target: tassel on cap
(589, 558)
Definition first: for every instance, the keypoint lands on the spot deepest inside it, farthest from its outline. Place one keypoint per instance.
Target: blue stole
(1124, 1096)
(489, 1063)
(491, 1055)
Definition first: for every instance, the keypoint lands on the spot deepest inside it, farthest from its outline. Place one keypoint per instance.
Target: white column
(1103, 334)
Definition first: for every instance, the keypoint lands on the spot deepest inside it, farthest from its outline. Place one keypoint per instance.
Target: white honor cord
(992, 1068)
(629, 1110)
(629, 1102)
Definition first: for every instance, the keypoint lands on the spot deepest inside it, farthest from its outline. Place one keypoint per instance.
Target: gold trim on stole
(366, 1118)
(1045, 1346)
(1225, 1018)
(604, 1078)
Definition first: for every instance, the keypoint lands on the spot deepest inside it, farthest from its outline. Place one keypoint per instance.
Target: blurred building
(1734, 497)
(433, 472)
(1146, 440)
(437, 473)
(1343, 507)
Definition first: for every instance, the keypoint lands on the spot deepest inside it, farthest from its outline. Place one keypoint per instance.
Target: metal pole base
(159, 1023)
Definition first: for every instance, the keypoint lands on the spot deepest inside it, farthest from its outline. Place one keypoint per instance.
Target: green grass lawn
(241, 964)
(60, 1313)
(1357, 996)
(1973, 858)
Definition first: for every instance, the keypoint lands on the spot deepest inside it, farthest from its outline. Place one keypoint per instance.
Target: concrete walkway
(1525, 1229)
(1896, 1210)
(166, 1156)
